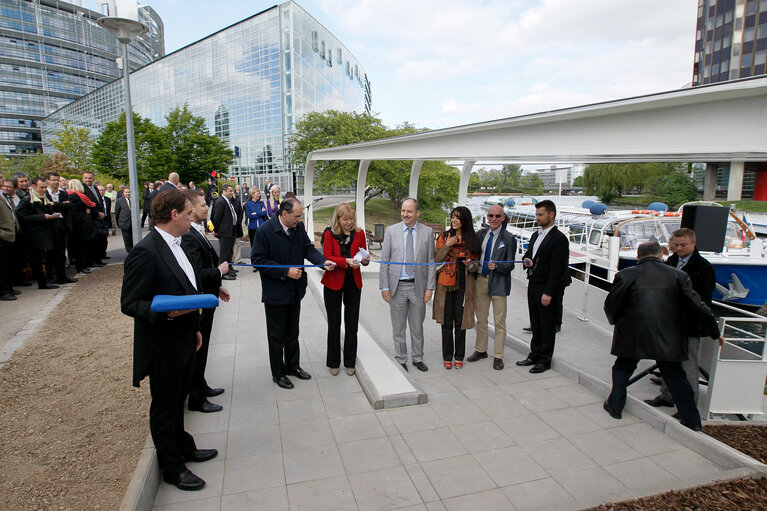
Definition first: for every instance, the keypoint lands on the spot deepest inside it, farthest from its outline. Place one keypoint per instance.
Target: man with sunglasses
(493, 284)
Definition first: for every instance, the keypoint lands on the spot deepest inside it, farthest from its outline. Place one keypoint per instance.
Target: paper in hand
(359, 256)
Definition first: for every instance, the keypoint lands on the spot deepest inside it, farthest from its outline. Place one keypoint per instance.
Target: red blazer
(332, 250)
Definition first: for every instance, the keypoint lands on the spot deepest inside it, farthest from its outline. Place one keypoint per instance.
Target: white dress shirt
(174, 244)
(541, 235)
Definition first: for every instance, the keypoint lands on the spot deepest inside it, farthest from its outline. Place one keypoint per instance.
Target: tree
(532, 184)
(75, 143)
(512, 174)
(676, 188)
(110, 152)
(61, 164)
(578, 181)
(613, 180)
(31, 165)
(193, 151)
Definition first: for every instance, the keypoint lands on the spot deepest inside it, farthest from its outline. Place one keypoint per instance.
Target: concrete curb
(142, 488)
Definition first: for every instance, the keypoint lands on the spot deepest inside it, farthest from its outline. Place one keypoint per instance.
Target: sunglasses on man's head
(493, 216)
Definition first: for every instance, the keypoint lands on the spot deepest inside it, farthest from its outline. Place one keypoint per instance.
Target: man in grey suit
(408, 288)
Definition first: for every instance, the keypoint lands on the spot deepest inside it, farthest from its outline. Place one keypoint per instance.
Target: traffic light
(214, 174)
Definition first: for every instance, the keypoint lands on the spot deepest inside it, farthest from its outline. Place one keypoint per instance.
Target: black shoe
(66, 281)
(404, 366)
(84, 270)
(8, 297)
(558, 329)
(694, 427)
(201, 455)
(526, 362)
(283, 382)
(184, 480)
(99, 265)
(476, 356)
(205, 407)
(528, 329)
(421, 366)
(209, 392)
(228, 277)
(45, 285)
(656, 380)
(106, 257)
(613, 413)
(24, 283)
(676, 415)
(15, 292)
(658, 401)
(497, 363)
(300, 374)
(538, 368)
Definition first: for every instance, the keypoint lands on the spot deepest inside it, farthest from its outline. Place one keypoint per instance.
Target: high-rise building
(250, 82)
(730, 40)
(53, 52)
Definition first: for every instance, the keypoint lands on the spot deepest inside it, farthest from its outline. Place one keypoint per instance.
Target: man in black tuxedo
(98, 245)
(202, 254)
(106, 223)
(147, 195)
(224, 218)
(172, 182)
(123, 219)
(283, 240)
(546, 261)
(61, 227)
(164, 344)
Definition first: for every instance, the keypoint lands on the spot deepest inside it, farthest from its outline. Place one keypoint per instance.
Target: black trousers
(127, 239)
(282, 333)
(6, 276)
(198, 383)
(543, 321)
(675, 378)
(36, 257)
(19, 260)
(170, 375)
(226, 248)
(55, 258)
(452, 321)
(79, 253)
(349, 295)
(144, 214)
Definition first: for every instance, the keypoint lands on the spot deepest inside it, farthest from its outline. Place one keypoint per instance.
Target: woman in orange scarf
(454, 298)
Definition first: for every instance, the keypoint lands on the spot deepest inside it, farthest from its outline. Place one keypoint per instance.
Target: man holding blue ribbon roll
(164, 344)
(281, 241)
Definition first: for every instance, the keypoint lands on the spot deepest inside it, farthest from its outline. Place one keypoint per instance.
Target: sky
(441, 63)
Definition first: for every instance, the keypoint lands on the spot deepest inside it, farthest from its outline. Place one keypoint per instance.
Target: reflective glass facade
(51, 53)
(730, 40)
(250, 81)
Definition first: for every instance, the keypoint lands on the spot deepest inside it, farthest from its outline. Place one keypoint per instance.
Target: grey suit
(406, 306)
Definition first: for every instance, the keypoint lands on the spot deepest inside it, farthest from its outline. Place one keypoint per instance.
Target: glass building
(53, 52)
(730, 40)
(251, 82)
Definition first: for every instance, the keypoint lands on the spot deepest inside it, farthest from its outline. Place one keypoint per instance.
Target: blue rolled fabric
(167, 303)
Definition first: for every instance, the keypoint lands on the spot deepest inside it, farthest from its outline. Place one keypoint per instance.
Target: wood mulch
(741, 494)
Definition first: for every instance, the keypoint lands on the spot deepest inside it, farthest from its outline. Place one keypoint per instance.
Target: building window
(762, 31)
(708, 48)
(315, 46)
(719, 20)
(738, 23)
(717, 45)
(760, 58)
(726, 40)
(728, 16)
(724, 66)
(746, 60)
(736, 49)
(750, 8)
(322, 51)
(748, 35)
(105, 9)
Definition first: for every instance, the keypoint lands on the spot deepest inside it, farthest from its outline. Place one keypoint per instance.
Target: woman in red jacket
(341, 243)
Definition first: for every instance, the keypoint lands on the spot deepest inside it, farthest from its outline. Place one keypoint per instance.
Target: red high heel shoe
(458, 364)
(448, 365)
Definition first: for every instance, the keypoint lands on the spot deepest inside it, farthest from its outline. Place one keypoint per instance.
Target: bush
(675, 189)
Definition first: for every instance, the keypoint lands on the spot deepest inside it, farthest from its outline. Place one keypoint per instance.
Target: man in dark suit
(646, 303)
(202, 254)
(703, 278)
(123, 219)
(164, 344)
(9, 227)
(147, 195)
(36, 217)
(546, 261)
(106, 223)
(61, 227)
(98, 245)
(224, 218)
(172, 182)
(282, 240)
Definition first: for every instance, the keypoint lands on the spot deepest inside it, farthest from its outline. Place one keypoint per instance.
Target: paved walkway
(486, 439)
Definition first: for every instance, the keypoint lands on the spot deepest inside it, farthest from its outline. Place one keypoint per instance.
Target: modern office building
(251, 82)
(53, 52)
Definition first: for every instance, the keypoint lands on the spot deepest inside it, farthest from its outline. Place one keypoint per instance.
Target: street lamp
(126, 30)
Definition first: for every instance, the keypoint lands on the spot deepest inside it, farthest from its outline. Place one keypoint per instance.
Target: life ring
(642, 212)
(669, 213)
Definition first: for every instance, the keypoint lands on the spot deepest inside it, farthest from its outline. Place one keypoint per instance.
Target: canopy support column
(463, 185)
(362, 176)
(415, 174)
(309, 196)
(735, 186)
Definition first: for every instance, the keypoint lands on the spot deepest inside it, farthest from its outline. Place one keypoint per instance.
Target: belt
(407, 280)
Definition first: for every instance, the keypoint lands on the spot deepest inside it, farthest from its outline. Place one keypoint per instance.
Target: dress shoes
(84, 270)
(528, 329)
(205, 407)
(526, 362)
(229, 276)
(201, 455)
(300, 374)
(497, 363)
(350, 371)
(658, 401)
(334, 371)
(46, 285)
(99, 265)
(283, 382)
(184, 480)
(404, 366)
(476, 356)
(421, 366)
(694, 427)
(613, 413)
(209, 392)
(66, 281)
(538, 369)
(15, 292)
(676, 415)
(106, 257)
(8, 297)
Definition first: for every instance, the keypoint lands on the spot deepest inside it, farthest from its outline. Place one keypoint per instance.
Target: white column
(309, 196)
(735, 186)
(415, 174)
(362, 176)
(463, 185)
(709, 182)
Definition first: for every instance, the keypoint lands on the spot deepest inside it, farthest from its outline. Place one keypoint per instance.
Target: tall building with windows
(251, 82)
(730, 40)
(53, 52)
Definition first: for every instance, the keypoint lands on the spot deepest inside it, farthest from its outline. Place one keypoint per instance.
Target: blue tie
(488, 249)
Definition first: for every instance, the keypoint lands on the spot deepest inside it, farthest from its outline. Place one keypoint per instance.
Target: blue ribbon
(322, 265)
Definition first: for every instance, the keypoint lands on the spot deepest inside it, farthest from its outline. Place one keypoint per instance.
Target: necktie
(409, 252)
(486, 259)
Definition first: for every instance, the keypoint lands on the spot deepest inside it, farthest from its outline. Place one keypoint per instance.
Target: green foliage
(610, 180)
(578, 181)
(193, 151)
(676, 188)
(75, 143)
(532, 184)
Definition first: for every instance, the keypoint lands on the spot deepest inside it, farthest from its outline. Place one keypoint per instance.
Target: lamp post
(126, 30)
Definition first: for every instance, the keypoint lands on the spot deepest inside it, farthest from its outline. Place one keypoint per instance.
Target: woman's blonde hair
(342, 210)
(254, 191)
(76, 185)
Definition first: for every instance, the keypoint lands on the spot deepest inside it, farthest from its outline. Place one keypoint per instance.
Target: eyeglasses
(494, 216)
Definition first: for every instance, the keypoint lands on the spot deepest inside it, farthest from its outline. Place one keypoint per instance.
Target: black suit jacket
(168, 186)
(63, 206)
(703, 278)
(273, 246)
(150, 270)
(240, 213)
(550, 264)
(122, 214)
(223, 225)
(95, 198)
(38, 232)
(203, 256)
(108, 209)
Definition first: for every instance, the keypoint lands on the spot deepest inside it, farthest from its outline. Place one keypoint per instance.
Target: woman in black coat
(35, 214)
(83, 227)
